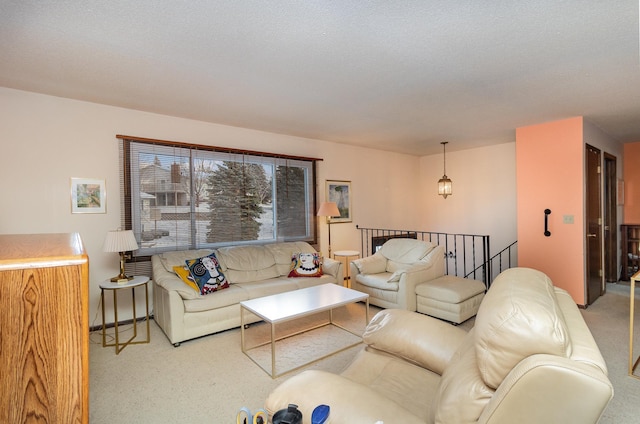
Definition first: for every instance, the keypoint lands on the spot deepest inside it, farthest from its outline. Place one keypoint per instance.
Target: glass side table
(137, 281)
(346, 255)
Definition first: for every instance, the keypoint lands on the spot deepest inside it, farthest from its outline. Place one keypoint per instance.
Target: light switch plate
(567, 219)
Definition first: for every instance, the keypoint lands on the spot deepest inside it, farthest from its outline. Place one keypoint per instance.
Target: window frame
(130, 183)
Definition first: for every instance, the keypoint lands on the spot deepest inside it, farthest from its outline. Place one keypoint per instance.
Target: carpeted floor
(608, 320)
(208, 379)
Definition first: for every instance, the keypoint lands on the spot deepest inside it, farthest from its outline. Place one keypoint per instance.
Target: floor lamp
(329, 209)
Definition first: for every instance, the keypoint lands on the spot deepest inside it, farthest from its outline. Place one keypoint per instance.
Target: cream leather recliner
(391, 275)
(529, 359)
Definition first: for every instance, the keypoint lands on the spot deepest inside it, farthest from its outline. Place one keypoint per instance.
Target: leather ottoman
(450, 298)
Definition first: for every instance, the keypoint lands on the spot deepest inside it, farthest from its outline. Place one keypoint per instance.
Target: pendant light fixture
(444, 183)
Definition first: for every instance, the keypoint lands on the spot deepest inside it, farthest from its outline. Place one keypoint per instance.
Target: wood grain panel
(43, 337)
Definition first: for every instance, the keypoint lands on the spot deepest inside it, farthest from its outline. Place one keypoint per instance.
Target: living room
(51, 136)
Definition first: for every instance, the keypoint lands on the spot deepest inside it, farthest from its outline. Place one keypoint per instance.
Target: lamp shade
(328, 209)
(444, 187)
(120, 241)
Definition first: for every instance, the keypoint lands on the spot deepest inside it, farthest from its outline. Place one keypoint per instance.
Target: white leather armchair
(391, 275)
(529, 359)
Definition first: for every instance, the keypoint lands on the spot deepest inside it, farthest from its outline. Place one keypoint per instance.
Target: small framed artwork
(340, 193)
(88, 195)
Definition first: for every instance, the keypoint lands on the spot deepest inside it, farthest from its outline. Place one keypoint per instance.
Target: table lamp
(120, 241)
(329, 209)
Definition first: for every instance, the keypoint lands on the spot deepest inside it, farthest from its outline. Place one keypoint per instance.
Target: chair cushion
(518, 317)
(374, 264)
(391, 330)
(405, 250)
(378, 281)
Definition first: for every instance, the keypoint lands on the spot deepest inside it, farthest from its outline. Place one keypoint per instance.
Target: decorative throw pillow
(185, 275)
(207, 274)
(305, 265)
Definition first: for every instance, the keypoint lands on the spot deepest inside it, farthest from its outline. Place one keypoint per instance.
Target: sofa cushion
(179, 257)
(185, 275)
(229, 296)
(462, 394)
(207, 274)
(305, 265)
(248, 263)
(405, 250)
(282, 253)
(518, 317)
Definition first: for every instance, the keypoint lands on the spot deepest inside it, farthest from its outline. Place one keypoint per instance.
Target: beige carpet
(608, 320)
(207, 380)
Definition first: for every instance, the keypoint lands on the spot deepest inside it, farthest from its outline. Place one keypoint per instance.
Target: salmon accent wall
(631, 176)
(550, 175)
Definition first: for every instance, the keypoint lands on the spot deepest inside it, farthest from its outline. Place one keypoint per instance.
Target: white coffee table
(295, 304)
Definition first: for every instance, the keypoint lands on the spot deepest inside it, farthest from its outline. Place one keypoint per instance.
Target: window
(179, 196)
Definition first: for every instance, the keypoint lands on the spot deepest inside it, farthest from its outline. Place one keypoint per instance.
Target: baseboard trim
(113, 324)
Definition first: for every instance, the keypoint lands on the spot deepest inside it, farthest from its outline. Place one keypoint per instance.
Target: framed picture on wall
(88, 195)
(340, 193)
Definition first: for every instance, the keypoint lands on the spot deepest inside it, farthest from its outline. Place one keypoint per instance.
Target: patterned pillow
(207, 274)
(185, 275)
(305, 265)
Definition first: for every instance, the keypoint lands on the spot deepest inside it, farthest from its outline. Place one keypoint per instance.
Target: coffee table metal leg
(366, 312)
(242, 328)
(104, 326)
(273, 350)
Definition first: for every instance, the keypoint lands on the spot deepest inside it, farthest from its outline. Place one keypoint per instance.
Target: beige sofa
(530, 358)
(391, 275)
(252, 271)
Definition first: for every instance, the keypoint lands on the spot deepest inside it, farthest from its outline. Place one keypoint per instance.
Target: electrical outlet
(567, 219)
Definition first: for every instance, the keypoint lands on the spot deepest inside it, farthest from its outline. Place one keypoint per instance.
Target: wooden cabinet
(630, 250)
(44, 329)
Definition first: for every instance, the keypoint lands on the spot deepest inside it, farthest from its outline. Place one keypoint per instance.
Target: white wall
(484, 194)
(48, 140)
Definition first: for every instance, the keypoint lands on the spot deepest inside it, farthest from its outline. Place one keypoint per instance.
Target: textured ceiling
(395, 75)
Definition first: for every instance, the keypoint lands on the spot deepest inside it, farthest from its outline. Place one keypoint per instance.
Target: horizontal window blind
(184, 196)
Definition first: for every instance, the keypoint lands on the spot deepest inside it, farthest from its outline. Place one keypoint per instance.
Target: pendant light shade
(444, 183)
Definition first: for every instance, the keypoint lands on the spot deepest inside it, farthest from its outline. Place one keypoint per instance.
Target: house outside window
(181, 197)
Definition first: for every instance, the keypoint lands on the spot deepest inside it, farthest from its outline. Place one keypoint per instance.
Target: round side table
(137, 281)
(346, 255)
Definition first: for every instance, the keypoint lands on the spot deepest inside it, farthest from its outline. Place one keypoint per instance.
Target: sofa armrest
(554, 382)
(170, 281)
(333, 268)
(421, 339)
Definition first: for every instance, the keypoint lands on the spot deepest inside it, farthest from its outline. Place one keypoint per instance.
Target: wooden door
(593, 225)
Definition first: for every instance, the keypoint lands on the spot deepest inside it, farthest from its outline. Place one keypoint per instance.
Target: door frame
(610, 218)
(593, 226)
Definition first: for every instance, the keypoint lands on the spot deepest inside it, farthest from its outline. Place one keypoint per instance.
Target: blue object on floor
(320, 414)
